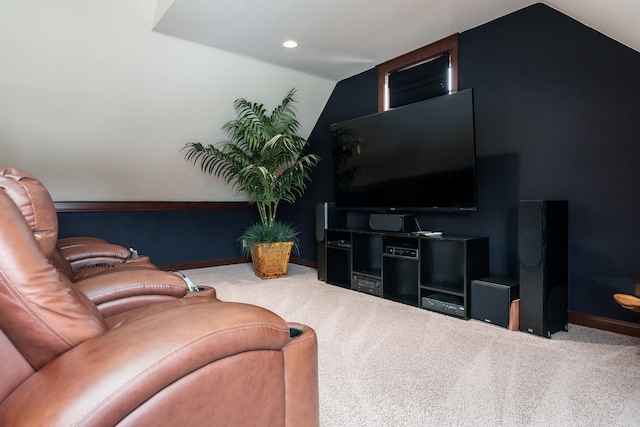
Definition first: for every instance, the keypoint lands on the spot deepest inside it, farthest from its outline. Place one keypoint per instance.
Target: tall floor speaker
(543, 253)
(326, 217)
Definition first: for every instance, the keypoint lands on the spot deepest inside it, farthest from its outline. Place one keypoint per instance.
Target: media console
(431, 272)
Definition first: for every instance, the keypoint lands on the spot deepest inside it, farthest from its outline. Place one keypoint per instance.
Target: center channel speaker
(405, 223)
(543, 246)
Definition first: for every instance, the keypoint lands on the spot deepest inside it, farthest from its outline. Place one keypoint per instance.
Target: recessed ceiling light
(290, 44)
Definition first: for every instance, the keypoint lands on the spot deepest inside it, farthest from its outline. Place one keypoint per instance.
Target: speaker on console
(543, 246)
(326, 217)
(393, 222)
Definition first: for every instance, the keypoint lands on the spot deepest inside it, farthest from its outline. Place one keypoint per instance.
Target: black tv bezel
(422, 209)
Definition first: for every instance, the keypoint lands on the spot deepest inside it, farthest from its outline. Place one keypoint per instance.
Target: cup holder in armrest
(294, 332)
(203, 291)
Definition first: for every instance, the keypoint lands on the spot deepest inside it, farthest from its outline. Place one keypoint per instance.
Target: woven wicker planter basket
(270, 260)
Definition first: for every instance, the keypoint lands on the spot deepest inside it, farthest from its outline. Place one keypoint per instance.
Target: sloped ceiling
(339, 38)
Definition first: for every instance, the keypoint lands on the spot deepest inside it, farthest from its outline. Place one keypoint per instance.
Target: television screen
(419, 157)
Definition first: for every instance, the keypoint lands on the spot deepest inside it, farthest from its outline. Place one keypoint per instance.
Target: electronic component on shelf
(428, 233)
(444, 303)
(339, 243)
(402, 251)
(372, 285)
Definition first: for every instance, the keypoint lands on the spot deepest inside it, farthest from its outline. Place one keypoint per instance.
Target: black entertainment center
(429, 272)
(418, 158)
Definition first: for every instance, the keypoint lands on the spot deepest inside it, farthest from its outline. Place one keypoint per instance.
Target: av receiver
(402, 251)
(444, 303)
(366, 284)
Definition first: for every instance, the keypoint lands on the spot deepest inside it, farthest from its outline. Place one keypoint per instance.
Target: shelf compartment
(445, 287)
(399, 279)
(338, 239)
(339, 266)
(408, 299)
(401, 246)
(442, 261)
(367, 253)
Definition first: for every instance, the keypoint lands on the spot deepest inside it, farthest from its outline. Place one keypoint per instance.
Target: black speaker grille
(530, 239)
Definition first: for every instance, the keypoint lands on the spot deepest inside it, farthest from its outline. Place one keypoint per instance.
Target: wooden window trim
(447, 45)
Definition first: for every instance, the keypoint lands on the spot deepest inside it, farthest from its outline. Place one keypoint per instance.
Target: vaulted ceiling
(340, 38)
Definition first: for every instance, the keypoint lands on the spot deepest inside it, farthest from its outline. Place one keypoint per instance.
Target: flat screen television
(418, 157)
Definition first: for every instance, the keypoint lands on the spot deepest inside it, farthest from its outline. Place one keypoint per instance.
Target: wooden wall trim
(149, 206)
(304, 262)
(605, 324)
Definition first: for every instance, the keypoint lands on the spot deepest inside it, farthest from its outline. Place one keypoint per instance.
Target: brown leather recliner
(113, 290)
(82, 256)
(192, 361)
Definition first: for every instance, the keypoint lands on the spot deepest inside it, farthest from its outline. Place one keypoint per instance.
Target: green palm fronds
(264, 157)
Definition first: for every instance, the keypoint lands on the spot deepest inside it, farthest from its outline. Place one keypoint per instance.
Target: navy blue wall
(559, 102)
(556, 106)
(168, 237)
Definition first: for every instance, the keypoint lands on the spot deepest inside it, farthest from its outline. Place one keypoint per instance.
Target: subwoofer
(491, 300)
(543, 246)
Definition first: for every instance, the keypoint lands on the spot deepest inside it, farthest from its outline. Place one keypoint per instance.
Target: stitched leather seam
(137, 286)
(18, 296)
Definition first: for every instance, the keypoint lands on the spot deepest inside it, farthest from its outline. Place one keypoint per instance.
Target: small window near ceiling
(422, 74)
(419, 82)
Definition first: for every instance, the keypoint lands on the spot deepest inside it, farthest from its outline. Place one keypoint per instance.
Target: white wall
(98, 106)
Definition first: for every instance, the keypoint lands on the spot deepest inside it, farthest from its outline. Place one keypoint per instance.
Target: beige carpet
(387, 364)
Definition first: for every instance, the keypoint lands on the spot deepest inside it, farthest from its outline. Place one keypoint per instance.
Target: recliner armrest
(124, 290)
(67, 242)
(95, 254)
(130, 264)
(106, 378)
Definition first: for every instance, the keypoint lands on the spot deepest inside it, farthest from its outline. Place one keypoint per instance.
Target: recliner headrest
(40, 311)
(35, 203)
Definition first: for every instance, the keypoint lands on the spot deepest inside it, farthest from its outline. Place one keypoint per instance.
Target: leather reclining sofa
(145, 353)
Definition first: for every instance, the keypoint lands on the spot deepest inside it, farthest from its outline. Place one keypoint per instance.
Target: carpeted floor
(383, 363)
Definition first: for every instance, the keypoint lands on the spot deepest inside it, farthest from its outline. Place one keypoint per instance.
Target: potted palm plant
(264, 158)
